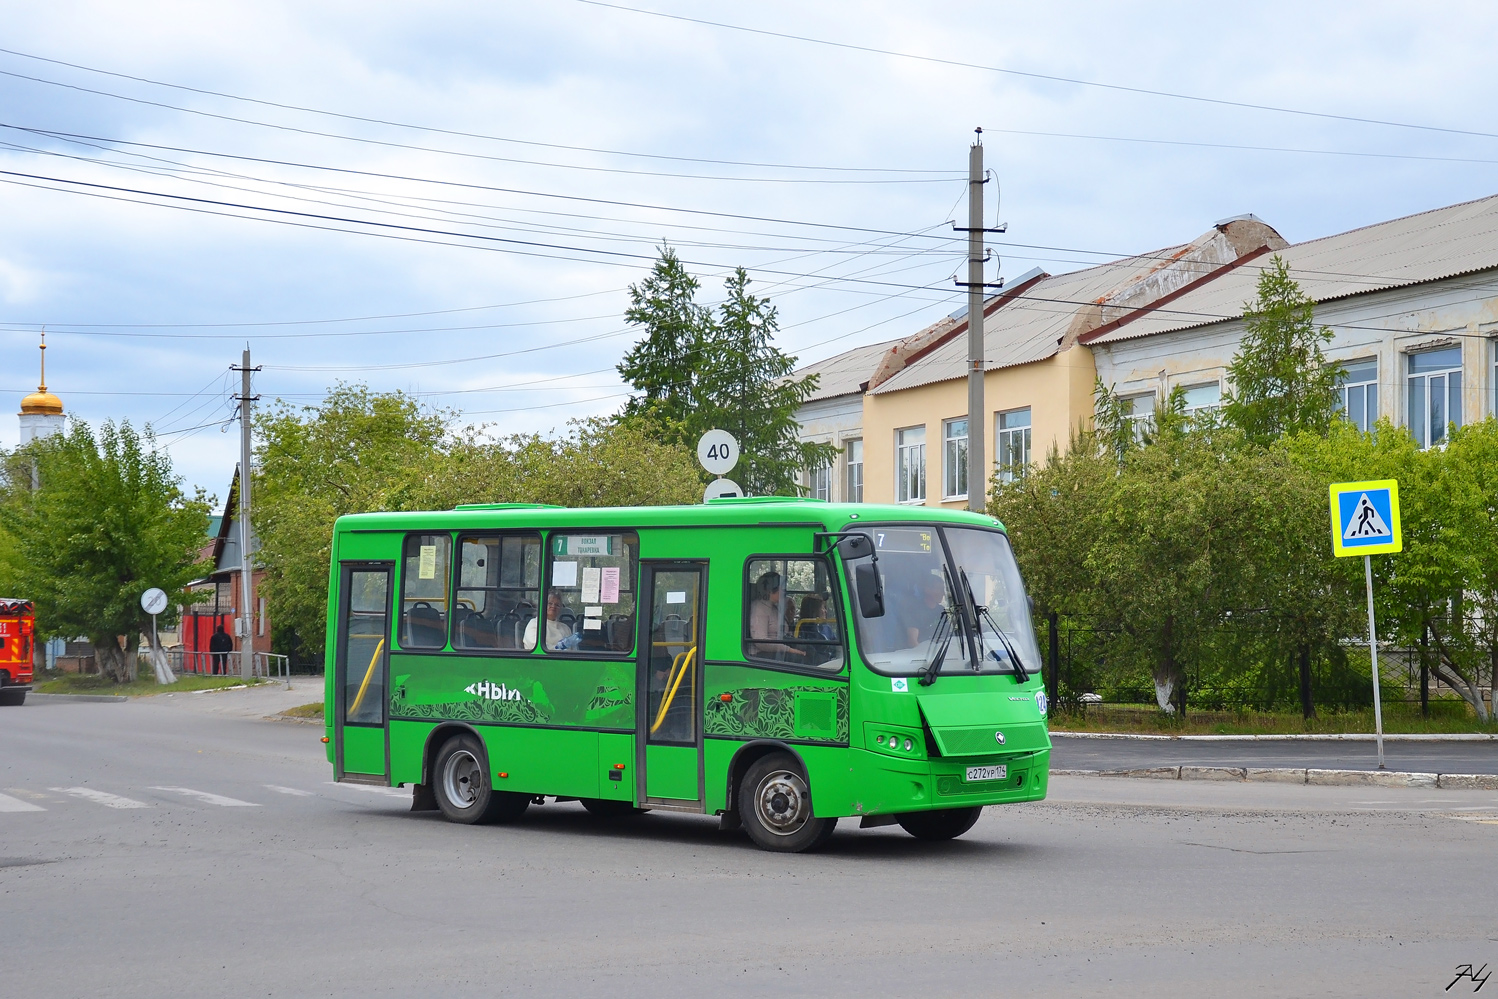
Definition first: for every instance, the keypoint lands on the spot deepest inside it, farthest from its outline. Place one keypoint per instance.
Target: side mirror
(854, 546)
(870, 590)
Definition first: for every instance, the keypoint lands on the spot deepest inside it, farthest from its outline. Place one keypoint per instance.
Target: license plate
(988, 773)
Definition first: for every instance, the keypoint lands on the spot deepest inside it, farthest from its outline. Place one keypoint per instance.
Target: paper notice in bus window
(592, 624)
(426, 565)
(591, 577)
(676, 596)
(564, 574)
(609, 588)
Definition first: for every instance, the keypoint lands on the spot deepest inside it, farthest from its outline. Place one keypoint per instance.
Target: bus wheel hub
(783, 802)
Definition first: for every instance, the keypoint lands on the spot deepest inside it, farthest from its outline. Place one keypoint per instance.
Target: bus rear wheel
(462, 787)
(774, 804)
(945, 823)
(12, 698)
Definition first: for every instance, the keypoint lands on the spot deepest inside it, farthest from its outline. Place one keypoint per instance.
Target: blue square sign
(1365, 518)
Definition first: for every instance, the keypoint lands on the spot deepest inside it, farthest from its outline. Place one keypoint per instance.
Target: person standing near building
(219, 647)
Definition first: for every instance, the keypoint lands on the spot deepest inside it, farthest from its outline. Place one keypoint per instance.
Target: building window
(1435, 394)
(819, 483)
(1358, 396)
(854, 451)
(1203, 398)
(910, 465)
(1140, 412)
(954, 459)
(1012, 443)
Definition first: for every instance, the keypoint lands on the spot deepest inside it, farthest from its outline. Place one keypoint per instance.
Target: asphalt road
(1073, 753)
(235, 869)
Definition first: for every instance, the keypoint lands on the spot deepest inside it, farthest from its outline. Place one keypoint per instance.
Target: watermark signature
(1478, 977)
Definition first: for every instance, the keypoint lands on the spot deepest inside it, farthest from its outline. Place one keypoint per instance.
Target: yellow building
(1039, 374)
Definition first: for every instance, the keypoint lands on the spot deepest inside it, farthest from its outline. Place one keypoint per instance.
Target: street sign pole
(1378, 711)
(1365, 521)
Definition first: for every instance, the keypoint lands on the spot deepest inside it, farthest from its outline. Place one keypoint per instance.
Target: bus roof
(728, 512)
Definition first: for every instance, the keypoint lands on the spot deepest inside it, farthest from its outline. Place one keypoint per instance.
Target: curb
(1337, 737)
(37, 698)
(1286, 775)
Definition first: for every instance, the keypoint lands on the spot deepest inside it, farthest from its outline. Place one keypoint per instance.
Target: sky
(453, 199)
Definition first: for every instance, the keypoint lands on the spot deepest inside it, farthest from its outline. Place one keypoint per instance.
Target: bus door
(361, 667)
(670, 684)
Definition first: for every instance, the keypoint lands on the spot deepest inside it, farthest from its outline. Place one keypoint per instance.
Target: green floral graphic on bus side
(804, 713)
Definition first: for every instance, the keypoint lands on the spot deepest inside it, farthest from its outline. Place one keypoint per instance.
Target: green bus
(781, 663)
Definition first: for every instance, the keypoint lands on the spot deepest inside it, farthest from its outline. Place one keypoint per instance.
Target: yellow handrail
(359, 697)
(660, 715)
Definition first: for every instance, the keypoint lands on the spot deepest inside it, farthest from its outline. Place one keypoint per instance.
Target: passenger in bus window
(557, 631)
(767, 618)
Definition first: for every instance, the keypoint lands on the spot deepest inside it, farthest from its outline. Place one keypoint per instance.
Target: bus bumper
(892, 786)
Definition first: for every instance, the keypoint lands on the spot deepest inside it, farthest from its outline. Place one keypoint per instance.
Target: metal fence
(266, 665)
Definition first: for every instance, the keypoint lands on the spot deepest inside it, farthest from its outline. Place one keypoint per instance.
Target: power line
(467, 135)
(1076, 81)
(458, 153)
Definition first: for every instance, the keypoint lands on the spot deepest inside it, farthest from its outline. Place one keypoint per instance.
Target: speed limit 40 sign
(718, 452)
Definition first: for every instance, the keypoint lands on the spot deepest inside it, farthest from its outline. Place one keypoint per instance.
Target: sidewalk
(261, 701)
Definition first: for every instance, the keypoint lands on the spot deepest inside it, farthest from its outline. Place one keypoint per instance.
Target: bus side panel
(616, 755)
(514, 690)
(543, 761)
(408, 740)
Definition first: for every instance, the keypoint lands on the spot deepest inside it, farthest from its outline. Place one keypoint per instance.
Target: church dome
(42, 402)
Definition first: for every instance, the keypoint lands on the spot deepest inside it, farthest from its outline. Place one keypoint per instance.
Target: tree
(1281, 382)
(107, 521)
(697, 369)
(361, 451)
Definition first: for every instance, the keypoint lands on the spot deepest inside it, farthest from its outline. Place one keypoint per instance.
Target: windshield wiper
(941, 633)
(981, 614)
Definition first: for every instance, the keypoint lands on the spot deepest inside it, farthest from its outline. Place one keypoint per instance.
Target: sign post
(718, 452)
(153, 602)
(1365, 521)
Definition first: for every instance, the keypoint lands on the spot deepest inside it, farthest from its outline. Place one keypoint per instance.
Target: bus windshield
(924, 596)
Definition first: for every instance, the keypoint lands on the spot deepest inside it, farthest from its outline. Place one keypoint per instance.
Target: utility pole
(246, 577)
(977, 256)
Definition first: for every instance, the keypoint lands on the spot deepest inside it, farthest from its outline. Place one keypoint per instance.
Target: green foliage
(361, 451)
(697, 369)
(107, 521)
(1281, 381)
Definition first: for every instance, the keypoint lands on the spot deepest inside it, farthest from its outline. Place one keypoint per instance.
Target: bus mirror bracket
(851, 545)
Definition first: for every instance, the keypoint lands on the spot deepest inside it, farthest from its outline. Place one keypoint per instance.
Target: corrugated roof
(1442, 243)
(1031, 325)
(843, 374)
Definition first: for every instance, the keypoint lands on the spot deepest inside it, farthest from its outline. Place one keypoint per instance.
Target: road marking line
(9, 804)
(212, 799)
(28, 794)
(388, 791)
(291, 790)
(100, 797)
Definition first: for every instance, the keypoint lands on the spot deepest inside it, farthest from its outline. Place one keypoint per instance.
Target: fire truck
(17, 631)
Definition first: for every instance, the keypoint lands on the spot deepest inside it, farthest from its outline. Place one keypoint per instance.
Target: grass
(74, 683)
(304, 711)
(1146, 719)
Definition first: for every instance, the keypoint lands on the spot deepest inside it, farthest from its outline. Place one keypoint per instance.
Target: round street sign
(153, 601)
(719, 488)
(718, 452)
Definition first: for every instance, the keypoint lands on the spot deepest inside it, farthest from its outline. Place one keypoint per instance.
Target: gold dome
(42, 402)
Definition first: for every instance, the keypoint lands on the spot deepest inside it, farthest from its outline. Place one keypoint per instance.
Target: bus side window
(499, 589)
(590, 594)
(424, 577)
(790, 614)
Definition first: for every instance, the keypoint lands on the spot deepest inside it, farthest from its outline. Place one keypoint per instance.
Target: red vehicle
(17, 631)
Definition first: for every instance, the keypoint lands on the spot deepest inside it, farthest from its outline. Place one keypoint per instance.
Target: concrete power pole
(246, 571)
(977, 464)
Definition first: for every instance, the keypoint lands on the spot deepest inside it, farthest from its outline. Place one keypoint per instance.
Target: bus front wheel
(775, 807)
(463, 790)
(946, 823)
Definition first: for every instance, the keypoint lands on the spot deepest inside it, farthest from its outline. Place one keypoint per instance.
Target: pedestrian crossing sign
(1365, 518)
